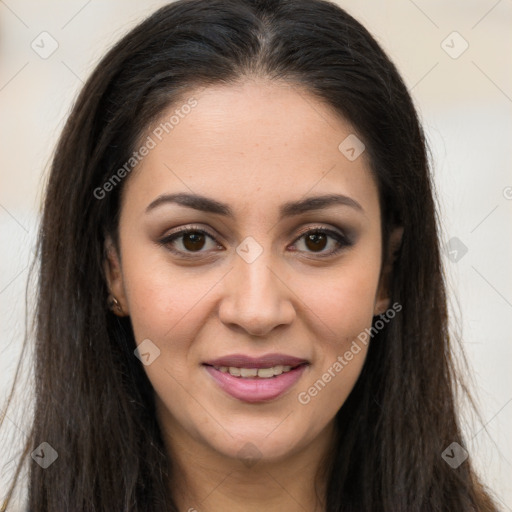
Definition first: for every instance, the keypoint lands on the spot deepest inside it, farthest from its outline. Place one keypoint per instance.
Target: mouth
(259, 373)
(256, 379)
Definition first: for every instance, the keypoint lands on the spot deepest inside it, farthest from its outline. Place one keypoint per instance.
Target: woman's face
(249, 331)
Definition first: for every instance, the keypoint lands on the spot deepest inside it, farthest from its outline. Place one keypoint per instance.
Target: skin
(237, 147)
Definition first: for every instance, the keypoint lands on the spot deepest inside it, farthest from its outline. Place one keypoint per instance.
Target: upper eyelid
(318, 227)
(302, 232)
(188, 229)
(330, 231)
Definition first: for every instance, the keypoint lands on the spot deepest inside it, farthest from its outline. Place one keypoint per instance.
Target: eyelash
(342, 240)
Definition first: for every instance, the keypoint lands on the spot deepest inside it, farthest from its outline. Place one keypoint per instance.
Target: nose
(257, 297)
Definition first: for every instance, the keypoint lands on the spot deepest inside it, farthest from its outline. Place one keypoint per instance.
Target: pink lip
(256, 389)
(266, 361)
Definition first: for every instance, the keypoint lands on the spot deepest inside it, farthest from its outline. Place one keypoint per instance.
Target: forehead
(254, 140)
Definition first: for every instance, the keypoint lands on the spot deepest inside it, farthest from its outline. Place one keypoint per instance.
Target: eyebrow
(289, 209)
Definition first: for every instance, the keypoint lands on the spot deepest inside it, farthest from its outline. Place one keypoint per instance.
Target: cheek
(345, 305)
(341, 347)
(341, 301)
(167, 307)
(161, 296)
(341, 308)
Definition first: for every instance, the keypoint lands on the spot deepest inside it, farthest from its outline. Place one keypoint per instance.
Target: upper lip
(265, 361)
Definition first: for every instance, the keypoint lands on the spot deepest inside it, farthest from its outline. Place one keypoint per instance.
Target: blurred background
(455, 58)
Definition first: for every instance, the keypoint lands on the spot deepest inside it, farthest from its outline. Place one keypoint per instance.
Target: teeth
(278, 369)
(266, 373)
(248, 373)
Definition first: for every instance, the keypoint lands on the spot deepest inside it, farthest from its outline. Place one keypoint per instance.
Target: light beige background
(465, 104)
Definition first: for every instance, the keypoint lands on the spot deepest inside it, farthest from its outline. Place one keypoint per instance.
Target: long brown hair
(94, 403)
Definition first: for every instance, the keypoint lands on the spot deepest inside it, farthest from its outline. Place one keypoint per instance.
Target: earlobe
(116, 301)
(384, 290)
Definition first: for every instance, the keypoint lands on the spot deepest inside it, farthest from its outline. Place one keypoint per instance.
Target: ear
(114, 276)
(383, 298)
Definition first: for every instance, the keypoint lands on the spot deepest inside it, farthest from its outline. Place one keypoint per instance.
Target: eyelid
(343, 240)
(324, 228)
(340, 236)
(188, 228)
(167, 239)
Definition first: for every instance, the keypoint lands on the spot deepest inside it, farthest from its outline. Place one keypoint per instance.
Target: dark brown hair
(94, 403)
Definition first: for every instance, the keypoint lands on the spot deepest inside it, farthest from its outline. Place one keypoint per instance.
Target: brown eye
(316, 241)
(193, 241)
(323, 242)
(188, 241)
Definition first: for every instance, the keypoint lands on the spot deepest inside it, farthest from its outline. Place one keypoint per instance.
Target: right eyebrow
(195, 201)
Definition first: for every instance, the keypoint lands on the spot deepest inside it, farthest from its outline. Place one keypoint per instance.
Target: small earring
(113, 303)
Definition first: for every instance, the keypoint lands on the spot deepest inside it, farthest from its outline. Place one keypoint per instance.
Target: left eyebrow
(317, 203)
(288, 209)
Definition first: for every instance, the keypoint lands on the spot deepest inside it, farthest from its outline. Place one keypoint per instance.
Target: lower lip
(257, 389)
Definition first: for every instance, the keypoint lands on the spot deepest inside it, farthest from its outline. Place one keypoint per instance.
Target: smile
(249, 373)
(256, 379)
